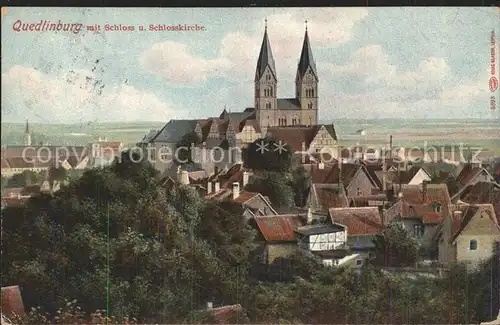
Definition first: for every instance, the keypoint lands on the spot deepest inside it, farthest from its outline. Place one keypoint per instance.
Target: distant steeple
(306, 59)
(27, 135)
(265, 58)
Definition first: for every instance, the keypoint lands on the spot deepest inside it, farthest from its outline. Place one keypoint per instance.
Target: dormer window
(436, 207)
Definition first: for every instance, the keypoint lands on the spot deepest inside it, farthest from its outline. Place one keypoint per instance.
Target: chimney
(210, 305)
(183, 177)
(236, 190)
(457, 215)
(390, 146)
(246, 176)
(209, 187)
(321, 165)
(424, 191)
(384, 174)
(309, 216)
(217, 187)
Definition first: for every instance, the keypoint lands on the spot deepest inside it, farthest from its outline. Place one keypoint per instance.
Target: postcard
(250, 165)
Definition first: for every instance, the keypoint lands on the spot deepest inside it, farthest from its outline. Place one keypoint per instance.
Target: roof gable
(359, 221)
(471, 215)
(279, 228)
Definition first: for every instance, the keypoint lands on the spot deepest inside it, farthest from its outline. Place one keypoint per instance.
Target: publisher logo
(493, 84)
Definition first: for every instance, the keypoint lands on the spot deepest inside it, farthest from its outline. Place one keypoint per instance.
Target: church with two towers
(271, 111)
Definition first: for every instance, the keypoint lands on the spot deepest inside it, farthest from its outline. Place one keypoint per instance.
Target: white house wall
(328, 241)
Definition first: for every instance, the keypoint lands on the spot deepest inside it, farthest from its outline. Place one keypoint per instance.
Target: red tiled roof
(432, 218)
(253, 123)
(329, 196)
(414, 205)
(12, 301)
(245, 196)
(280, 228)
(468, 211)
(13, 192)
(226, 314)
(298, 138)
(330, 174)
(30, 190)
(467, 174)
(359, 221)
(13, 201)
(364, 201)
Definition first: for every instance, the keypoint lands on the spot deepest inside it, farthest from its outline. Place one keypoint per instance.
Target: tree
(274, 185)
(57, 174)
(27, 177)
(184, 148)
(396, 247)
(268, 154)
(301, 182)
(111, 233)
(224, 227)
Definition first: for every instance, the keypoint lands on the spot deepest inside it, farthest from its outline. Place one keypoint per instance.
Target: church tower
(266, 83)
(306, 84)
(27, 135)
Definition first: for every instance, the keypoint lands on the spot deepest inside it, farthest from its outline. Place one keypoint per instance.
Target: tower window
(268, 77)
(312, 92)
(310, 105)
(268, 105)
(282, 122)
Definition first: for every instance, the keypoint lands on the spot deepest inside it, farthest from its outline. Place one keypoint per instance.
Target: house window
(437, 207)
(418, 230)
(473, 245)
(359, 191)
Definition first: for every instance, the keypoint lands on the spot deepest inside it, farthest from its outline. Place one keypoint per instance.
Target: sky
(409, 63)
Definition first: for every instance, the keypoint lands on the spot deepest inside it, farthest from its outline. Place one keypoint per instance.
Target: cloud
(380, 89)
(238, 50)
(75, 96)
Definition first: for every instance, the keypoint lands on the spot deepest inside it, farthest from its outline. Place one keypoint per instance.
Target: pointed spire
(265, 57)
(27, 127)
(306, 58)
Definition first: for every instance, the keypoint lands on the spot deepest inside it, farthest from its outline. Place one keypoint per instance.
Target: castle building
(273, 111)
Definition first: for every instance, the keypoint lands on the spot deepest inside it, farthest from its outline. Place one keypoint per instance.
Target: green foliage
(301, 182)
(27, 177)
(57, 174)
(275, 185)
(114, 233)
(264, 154)
(184, 155)
(396, 247)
